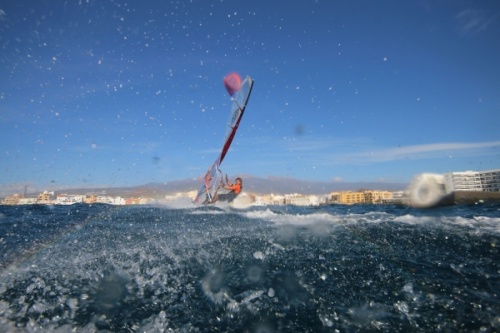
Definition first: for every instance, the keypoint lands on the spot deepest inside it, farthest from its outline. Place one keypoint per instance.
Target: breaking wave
(262, 269)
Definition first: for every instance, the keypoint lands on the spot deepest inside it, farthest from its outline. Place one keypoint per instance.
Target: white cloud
(320, 156)
(432, 150)
(472, 20)
(331, 152)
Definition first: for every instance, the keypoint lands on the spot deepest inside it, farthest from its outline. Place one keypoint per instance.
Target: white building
(398, 197)
(69, 199)
(301, 200)
(180, 195)
(484, 181)
(27, 201)
(490, 180)
(110, 200)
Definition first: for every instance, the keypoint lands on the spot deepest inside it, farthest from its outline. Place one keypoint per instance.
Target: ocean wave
(262, 269)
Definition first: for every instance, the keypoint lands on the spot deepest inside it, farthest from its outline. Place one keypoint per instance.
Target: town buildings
(361, 197)
(484, 181)
(467, 187)
(343, 197)
(452, 182)
(46, 198)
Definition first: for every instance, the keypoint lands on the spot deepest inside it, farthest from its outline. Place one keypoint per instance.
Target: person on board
(234, 190)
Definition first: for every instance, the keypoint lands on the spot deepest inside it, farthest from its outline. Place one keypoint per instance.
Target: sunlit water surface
(263, 269)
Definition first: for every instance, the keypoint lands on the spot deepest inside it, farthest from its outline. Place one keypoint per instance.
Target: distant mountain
(253, 184)
(283, 185)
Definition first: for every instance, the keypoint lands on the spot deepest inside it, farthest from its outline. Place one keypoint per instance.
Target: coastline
(473, 197)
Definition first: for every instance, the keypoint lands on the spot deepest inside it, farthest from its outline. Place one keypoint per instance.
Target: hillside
(258, 185)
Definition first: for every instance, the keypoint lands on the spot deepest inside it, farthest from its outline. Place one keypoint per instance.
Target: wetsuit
(230, 196)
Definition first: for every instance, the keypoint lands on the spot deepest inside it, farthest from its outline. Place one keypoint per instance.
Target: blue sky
(122, 93)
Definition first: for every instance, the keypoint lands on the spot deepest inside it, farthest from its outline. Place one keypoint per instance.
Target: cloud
(327, 157)
(473, 21)
(434, 150)
(331, 152)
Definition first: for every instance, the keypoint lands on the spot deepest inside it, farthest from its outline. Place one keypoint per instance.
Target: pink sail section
(213, 177)
(232, 81)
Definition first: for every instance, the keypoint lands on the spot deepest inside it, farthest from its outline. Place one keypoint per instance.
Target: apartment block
(484, 181)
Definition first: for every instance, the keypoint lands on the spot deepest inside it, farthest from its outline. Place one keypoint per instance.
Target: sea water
(366, 268)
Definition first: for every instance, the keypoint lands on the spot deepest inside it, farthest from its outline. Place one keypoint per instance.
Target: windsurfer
(234, 190)
(240, 93)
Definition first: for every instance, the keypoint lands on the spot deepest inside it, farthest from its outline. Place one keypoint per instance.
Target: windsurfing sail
(213, 178)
